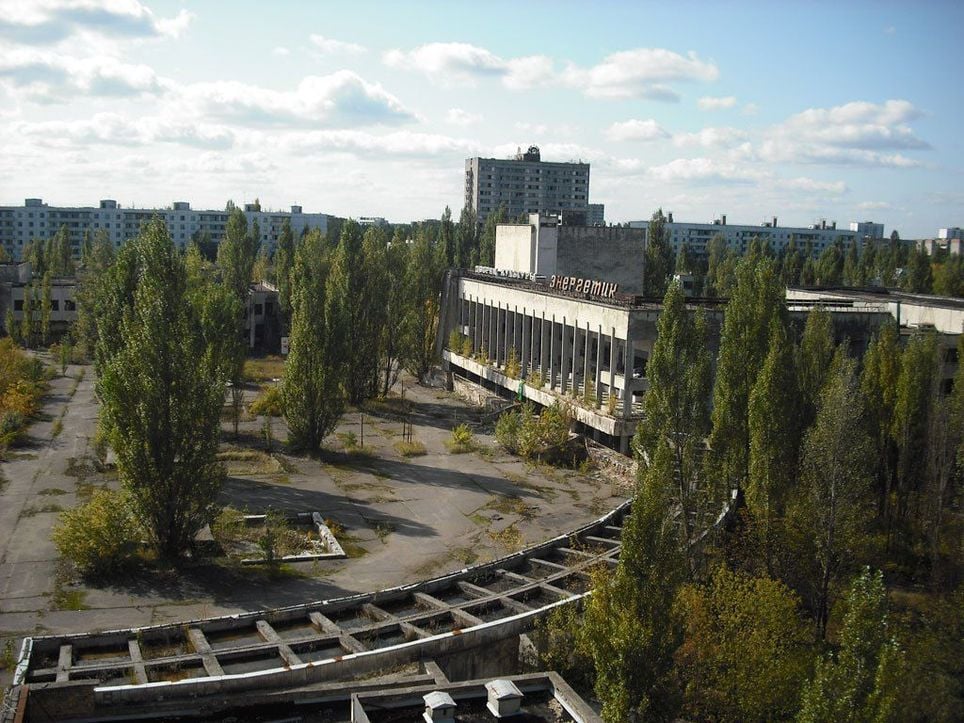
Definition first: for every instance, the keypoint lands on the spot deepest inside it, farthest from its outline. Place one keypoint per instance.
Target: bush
(467, 347)
(410, 449)
(512, 366)
(11, 424)
(100, 536)
(267, 403)
(455, 341)
(507, 430)
(463, 440)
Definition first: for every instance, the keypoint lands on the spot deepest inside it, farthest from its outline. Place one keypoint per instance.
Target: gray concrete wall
(603, 252)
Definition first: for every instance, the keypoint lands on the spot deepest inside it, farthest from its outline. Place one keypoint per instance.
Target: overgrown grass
(263, 369)
(49, 507)
(268, 402)
(348, 542)
(410, 449)
(56, 429)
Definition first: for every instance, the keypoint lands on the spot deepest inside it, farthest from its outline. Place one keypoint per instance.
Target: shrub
(467, 346)
(507, 430)
(462, 440)
(410, 449)
(512, 367)
(268, 403)
(11, 424)
(535, 380)
(455, 341)
(554, 424)
(101, 536)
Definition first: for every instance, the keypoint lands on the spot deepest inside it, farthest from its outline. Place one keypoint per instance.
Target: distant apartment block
(526, 184)
(596, 214)
(36, 219)
(948, 239)
(820, 235)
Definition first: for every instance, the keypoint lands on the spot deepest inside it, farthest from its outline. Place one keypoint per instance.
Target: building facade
(525, 184)
(697, 236)
(35, 219)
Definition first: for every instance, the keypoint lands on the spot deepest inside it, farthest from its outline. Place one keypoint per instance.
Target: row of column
(563, 352)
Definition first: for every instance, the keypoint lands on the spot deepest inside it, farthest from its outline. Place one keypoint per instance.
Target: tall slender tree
(816, 353)
(391, 346)
(658, 264)
(46, 306)
(312, 387)
(161, 396)
(878, 387)
(284, 257)
(422, 286)
(755, 302)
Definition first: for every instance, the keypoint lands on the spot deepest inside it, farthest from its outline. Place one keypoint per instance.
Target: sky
(802, 110)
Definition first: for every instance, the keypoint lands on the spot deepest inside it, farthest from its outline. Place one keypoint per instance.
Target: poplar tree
(447, 237)
(46, 305)
(311, 388)
(816, 353)
(629, 626)
(236, 254)
(852, 269)
(26, 321)
(161, 394)
(658, 257)
(918, 277)
(422, 286)
(466, 240)
(487, 241)
(878, 387)
(756, 301)
(676, 405)
(284, 257)
(774, 436)
(392, 336)
(356, 286)
(862, 681)
(830, 514)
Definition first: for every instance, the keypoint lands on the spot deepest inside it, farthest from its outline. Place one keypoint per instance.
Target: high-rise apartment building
(35, 219)
(526, 184)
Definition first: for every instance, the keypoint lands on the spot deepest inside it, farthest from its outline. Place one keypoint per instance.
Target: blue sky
(833, 110)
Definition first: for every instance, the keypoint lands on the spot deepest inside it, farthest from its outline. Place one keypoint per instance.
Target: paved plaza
(405, 518)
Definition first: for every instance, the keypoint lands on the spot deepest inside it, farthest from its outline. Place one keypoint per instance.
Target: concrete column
(628, 376)
(524, 361)
(574, 388)
(552, 352)
(585, 359)
(612, 361)
(517, 332)
(543, 348)
(564, 362)
(598, 375)
(498, 335)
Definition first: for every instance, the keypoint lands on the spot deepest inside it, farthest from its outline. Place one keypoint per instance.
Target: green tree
(161, 397)
(830, 511)
(853, 271)
(447, 237)
(745, 650)
(236, 254)
(755, 302)
(792, 263)
(91, 275)
(808, 274)
(284, 258)
(676, 405)
(311, 389)
(391, 345)
(918, 365)
(830, 265)
(918, 277)
(59, 254)
(816, 353)
(657, 266)
(862, 681)
(422, 286)
(10, 325)
(46, 304)
(27, 320)
(949, 277)
(774, 437)
(466, 240)
(356, 286)
(878, 387)
(629, 628)
(487, 241)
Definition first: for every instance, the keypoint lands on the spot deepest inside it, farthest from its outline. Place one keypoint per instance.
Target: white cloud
(812, 185)
(451, 63)
(43, 22)
(330, 46)
(705, 169)
(342, 97)
(874, 205)
(857, 133)
(636, 130)
(48, 76)
(710, 103)
(640, 73)
(459, 117)
(396, 143)
(116, 129)
(711, 138)
(536, 129)
(280, 50)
